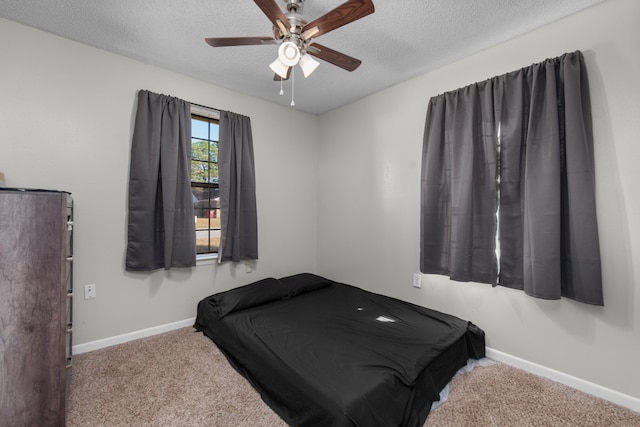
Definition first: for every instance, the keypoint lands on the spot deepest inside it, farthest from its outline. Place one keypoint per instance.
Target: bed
(322, 353)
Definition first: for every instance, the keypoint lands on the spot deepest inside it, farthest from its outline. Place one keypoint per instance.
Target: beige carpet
(180, 378)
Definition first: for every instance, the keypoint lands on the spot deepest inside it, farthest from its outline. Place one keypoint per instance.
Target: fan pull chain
(293, 85)
(281, 90)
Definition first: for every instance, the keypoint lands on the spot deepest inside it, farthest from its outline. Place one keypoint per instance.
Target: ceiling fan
(296, 36)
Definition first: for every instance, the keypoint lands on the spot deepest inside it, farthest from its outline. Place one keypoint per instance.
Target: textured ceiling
(401, 40)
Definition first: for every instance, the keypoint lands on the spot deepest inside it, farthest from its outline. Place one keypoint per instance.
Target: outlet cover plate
(89, 291)
(417, 280)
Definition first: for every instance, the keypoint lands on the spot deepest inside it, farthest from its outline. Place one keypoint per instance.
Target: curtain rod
(204, 106)
(192, 103)
(215, 110)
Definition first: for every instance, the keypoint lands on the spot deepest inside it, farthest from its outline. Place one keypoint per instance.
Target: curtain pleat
(582, 271)
(523, 139)
(238, 212)
(161, 227)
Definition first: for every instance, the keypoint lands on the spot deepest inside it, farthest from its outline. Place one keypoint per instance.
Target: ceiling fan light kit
(289, 53)
(296, 37)
(279, 68)
(308, 65)
(288, 56)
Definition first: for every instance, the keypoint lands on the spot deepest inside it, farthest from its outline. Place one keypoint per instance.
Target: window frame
(213, 115)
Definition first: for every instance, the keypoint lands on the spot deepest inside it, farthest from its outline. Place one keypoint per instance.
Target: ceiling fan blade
(273, 11)
(334, 57)
(347, 12)
(238, 41)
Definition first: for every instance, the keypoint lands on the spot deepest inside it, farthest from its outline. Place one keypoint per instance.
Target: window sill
(205, 258)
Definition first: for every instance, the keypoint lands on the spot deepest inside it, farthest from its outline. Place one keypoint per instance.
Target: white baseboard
(577, 383)
(119, 339)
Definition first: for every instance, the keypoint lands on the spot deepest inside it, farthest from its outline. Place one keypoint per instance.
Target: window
(204, 181)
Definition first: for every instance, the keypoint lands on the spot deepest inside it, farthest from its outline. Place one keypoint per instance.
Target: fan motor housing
(293, 5)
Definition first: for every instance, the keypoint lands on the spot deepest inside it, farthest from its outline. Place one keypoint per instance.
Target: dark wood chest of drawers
(35, 306)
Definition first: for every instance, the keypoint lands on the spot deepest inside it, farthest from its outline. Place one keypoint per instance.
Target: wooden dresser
(35, 306)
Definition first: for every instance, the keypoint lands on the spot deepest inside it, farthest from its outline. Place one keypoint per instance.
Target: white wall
(369, 174)
(66, 117)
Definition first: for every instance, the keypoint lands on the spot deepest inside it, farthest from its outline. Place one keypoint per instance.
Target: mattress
(323, 353)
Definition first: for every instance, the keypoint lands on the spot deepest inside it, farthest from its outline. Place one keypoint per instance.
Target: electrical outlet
(417, 280)
(89, 291)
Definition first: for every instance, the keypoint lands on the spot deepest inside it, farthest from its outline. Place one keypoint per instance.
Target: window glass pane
(200, 128)
(199, 149)
(213, 150)
(200, 202)
(200, 171)
(213, 173)
(215, 132)
(207, 210)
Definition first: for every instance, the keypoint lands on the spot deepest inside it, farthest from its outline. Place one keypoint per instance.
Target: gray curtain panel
(459, 199)
(161, 225)
(236, 169)
(518, 147)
